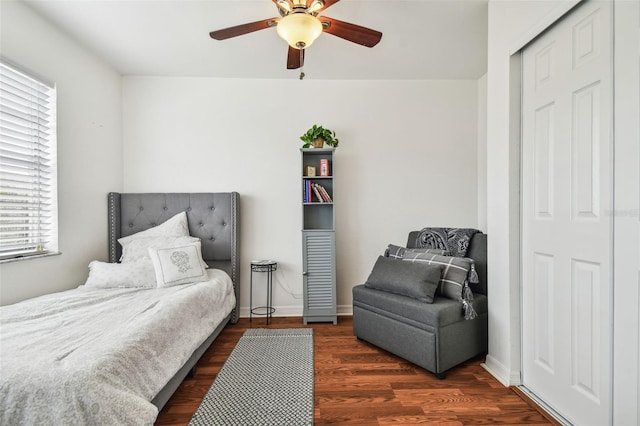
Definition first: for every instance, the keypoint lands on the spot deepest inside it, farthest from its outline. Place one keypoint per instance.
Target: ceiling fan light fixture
(299, 29)
(284, 5)
(315, 6)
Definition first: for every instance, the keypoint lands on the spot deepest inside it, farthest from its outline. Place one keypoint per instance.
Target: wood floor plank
(359, 384)
(414, 420)
(332, 399)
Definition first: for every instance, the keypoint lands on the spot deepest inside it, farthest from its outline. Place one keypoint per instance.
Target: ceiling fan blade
(327, 4)
(239, 30)
(293, 58)
(351, 32)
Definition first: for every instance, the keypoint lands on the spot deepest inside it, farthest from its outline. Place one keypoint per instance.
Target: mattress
(99, 356)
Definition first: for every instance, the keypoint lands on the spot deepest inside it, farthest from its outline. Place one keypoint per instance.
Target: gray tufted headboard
(213, 217)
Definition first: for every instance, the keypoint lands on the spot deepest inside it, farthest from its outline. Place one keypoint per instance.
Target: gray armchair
(435, 336)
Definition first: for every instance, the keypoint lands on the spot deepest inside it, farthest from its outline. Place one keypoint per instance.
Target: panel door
(566, 220)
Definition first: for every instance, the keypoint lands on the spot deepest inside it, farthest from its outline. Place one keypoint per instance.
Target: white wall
(482, 153)
(407, 159)
(89, 150)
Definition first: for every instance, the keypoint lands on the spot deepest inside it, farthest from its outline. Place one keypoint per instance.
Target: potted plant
(317, 136)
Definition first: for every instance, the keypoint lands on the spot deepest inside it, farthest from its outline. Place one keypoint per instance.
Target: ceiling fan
(299, 25)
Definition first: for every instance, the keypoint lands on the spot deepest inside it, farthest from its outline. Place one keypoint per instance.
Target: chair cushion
(443, 311)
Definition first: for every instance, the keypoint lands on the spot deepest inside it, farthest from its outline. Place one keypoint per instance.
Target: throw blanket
(456, 241)
(99, 356)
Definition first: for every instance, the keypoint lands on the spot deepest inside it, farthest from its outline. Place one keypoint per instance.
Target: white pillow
(177, 226)
(178, 265)
(139, 248)
(117, 275)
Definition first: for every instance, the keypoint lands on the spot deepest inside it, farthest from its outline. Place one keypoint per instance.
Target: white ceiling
(422, 39)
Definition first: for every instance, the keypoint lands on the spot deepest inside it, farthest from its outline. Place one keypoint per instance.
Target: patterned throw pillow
(121, 275)
(454, 271)
(178, 265)
(397, 252)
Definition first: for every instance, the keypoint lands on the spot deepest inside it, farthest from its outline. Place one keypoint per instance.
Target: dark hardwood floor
(359, 384)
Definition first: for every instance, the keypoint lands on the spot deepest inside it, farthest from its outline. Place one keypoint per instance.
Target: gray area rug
(267, 380)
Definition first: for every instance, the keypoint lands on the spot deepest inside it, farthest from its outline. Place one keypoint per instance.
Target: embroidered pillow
(413, 280)
(118, 275)
(176, 226)
(178, 265)
(396, 252)
(138, 249)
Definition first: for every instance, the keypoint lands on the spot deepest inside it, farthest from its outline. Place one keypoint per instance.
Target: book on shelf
(311, 189)
(317, 192)
(326, 195)
(305, 197)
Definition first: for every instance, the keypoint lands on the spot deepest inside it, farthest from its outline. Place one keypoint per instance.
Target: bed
(115, 355)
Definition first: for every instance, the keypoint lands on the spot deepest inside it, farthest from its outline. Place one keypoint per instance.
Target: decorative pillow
(394, 252)
(178, 265)
(440, 252)
(176, 226)
(454, 271)
(116, 275)
(453, 283)
(138, 249)
(397, 252)
(408, 279)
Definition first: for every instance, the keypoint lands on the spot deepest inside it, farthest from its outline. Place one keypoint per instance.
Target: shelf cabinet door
(319, 276)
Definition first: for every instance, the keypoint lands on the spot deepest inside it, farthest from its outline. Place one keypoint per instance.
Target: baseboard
(280, 311)
(344, 310)
(501, 372)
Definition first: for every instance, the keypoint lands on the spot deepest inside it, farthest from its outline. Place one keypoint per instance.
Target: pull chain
(301, 64)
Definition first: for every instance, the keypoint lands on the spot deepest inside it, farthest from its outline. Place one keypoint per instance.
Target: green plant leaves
(316, 132)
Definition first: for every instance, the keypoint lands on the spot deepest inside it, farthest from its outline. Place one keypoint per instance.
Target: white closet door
(566, 220)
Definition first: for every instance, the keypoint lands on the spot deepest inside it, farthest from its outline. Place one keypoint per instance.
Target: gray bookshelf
(318, 240)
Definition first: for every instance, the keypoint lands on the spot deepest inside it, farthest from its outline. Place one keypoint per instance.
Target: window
(28, 190)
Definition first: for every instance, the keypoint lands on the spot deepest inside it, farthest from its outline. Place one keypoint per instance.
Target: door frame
(626, 213)
(625, 378)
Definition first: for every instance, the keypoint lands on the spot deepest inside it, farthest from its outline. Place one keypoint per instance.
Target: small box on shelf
(324, 167)
(309, 171)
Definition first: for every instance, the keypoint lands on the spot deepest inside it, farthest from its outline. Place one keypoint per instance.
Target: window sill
(28, 257)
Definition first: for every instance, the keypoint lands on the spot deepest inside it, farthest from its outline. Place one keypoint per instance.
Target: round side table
(267, 266)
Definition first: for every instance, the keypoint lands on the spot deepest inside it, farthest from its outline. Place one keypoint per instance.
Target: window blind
(28, 192)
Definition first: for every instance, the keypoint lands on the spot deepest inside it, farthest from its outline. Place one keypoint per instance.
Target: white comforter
(99, 356)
